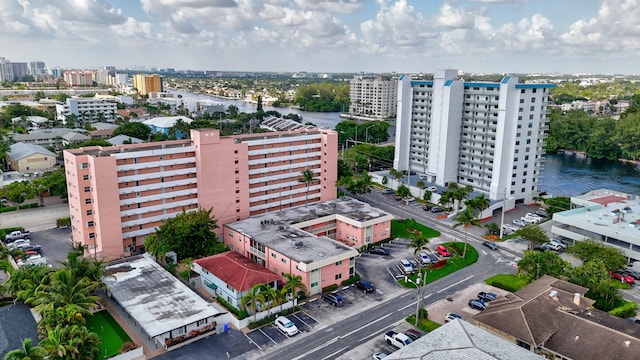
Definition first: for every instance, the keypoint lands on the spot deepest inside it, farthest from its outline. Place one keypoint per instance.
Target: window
(84, 166)
(85, 177)
(273, 255)
(87, 189)
(92, 235)
(89, 212)
(284, 261)
(201, 322)
(338, 276)
(90, 224)
(314, 284)
(87, 201)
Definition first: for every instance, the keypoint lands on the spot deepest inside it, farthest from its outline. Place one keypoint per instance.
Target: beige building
(25, 158)
(147, 83)
(373, 97)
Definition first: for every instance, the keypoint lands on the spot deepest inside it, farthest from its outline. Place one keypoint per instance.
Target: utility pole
(504, 203)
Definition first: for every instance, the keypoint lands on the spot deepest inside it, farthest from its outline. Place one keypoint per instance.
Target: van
(333, 299)
(406, 266)
(286, 326)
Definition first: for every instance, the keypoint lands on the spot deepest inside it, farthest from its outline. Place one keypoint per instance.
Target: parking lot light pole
(418, 283)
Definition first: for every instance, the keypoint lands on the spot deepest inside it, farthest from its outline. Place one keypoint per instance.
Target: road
(349, 333)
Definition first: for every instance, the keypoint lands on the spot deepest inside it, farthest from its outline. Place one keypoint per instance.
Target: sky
(404, 36)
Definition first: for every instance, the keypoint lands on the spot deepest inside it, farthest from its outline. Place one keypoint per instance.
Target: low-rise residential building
(604, 215)
(315, 242)
(552, 317)
(47, 137)
(231, 275)
(163, 124)
(459, 339)
(88, 110)
(166, 310)
(124, 139)
(24, 157)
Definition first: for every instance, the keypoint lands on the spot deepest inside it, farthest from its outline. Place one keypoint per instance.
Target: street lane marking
(334, 353)
(364, 326)
(452, 285)
(316, 349)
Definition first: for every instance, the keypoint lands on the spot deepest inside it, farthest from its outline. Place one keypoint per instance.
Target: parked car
(286, 326)
(539, 248)
(509, 227)
(409, 199)
(519, 223)
(437, 209)
(477, 304)
(487, 296)
(427, 207)
(535, 216)
(443, 251)
(424, 258)
(379, 251)
(529, 220)
(29, 247)
(333, 299)
(490, 244)
(414, 334)
(388, 191)
(397, 197)
(406, 266)
(622, 277)
(559, 243)
(432, 189)
(379, 355)
(18, 243)
(541, 213)
(365, 286)
(553, 246)
(451, 317)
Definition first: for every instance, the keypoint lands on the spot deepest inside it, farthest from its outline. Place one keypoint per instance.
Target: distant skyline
(475, 36)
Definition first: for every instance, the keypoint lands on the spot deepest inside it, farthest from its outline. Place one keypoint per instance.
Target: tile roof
(237, 271)
(544, 314)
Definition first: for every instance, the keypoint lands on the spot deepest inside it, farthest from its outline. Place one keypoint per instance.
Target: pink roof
(237, 271)
(609, 199)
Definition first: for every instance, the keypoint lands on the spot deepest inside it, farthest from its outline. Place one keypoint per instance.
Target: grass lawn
(425, 325)
(509, 282)
(454, 263)
(111, 334)
(400, 229)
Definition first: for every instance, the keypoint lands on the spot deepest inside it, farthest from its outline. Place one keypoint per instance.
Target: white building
(603, 215)
(373, 97)
(88, 109)
(487, 135)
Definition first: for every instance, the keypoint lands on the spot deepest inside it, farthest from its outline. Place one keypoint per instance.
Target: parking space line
(253, 342)
(268, 337)
(334, 353)
(304, 322)
(452, 285)
(312, 318)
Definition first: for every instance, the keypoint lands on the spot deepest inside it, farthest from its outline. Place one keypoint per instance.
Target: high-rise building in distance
(147, 83)
(373, 97)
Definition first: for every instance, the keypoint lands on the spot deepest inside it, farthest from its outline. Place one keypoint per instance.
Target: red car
(443, 251)
(623, 277)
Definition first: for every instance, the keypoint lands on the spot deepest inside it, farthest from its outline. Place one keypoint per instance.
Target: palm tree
(27, 352)
(65, 289)
(253, 299)
(478, 203)
(293, 283)
(271, 296)
(86, 342)
(5, 148)
(307, 178)
(418, 243)
(365, 182)
(465, 218)
(54, 344)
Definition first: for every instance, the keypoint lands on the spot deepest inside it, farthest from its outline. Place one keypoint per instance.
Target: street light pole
(419, 284)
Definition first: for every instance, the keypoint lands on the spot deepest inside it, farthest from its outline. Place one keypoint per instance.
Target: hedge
(239, 313)
(628, 309)
(271, 318)
(352, 280)
(330, 288)
(63, 222)
(14, 208)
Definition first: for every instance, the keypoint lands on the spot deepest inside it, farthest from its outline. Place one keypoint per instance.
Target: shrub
(352, 280)
(507, 282)
(628, 309)
(63, 222)
(239, 313)
(261, 322)
(330, 288)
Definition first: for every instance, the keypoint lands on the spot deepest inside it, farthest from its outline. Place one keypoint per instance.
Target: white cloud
(454, 17)
(337, 6)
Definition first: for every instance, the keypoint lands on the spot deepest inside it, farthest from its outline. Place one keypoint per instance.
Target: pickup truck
(395, 339)
(15, 235)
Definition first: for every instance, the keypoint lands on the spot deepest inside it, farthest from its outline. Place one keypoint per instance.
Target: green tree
(418, 243)
(534, 235)
(465, 219)
(253, 300)
(589, 274)
(293, 283)
(307, 179)
(189, 234)
(364, 182)
(18, 192)
(589, 250)
(133, 129)
(5, 148)
(478, 203)
(535, 264)
(27, 352)
(55, 345)
(24, 281)
(86, 342)
(403, 191)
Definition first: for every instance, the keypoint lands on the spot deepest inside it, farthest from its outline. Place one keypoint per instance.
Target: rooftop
(153, 297)
(237, 271)
(459, 339)
(610, 211)
(279, 230)
(166, 121)
(21, 150)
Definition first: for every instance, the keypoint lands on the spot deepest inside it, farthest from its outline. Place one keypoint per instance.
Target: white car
(509, 228)
(533, 216)
(379, 356)
(410, 199)
(286, 326)
(529, 220)
(558, 243)
(18, 243)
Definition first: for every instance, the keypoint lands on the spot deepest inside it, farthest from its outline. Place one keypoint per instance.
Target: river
(564, 174)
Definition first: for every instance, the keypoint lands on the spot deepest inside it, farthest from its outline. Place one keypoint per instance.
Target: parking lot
(55, 244)
(270, 335)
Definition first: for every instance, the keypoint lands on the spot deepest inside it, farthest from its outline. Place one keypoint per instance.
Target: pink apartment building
(315, 241)
(118, 195)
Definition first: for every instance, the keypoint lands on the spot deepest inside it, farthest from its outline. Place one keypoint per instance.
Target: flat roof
(153, 297)
(610, 211)
(279, 231)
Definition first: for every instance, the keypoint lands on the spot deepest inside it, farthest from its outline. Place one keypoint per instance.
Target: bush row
(271, 318)
(628, 309)
(14, 208)
(239, 313)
